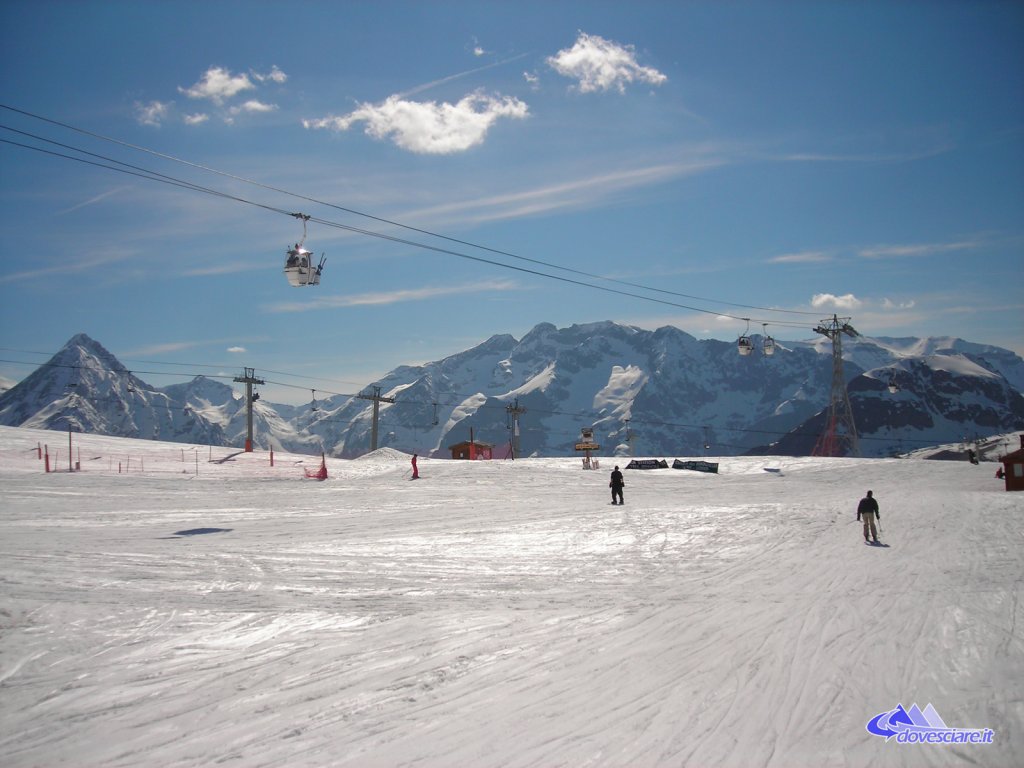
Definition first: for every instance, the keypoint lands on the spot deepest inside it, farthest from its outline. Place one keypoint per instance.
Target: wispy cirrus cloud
(226, 268)
(93, 200)
(867, 157)
(85, 263)
(905, 250)
(574, 194)
(801, 257)
(457, 76)
(180, 346)
(428, 128)
(392, 297)
(602, 65)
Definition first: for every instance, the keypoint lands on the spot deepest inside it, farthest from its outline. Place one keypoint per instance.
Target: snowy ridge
(498, 613)
(668, 391)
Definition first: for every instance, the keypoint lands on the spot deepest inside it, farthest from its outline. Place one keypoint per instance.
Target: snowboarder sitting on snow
(616, 485)
(868, 508)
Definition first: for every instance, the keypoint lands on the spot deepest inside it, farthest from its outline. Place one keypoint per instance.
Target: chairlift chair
(299, 267)
(744, 344)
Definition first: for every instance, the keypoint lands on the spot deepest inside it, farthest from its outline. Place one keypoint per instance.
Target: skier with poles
(868, 509)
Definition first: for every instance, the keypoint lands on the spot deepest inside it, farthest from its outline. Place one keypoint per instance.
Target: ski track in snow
(499, 613)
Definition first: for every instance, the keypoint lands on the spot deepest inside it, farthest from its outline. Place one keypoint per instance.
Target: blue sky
(731, 160)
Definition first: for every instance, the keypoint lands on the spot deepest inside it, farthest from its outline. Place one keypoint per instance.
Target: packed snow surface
(202, 606)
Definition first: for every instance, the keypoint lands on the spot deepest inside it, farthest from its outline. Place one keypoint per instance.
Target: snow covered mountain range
(655, 393)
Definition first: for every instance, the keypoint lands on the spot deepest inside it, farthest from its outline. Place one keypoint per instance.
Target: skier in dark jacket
(616, 485)
(868, 509)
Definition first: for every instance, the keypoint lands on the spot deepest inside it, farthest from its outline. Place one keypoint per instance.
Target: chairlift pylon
(299, 267)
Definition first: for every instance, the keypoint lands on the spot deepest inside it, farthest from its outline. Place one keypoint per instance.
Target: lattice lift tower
(840, 435)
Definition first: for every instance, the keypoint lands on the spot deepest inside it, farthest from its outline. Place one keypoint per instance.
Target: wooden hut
(1013, 468)
(471, 450)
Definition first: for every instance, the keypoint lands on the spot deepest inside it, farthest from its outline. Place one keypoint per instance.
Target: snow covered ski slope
(498, 613)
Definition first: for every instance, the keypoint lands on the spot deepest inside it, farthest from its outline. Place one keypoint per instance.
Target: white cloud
(601, 65)
(847, 301)
(153, 113)
(800, 257)
(275, 75)
(253, 106)
(429, 127)
(889, 304)
(218, 84)
(237, 350)
(196, 119)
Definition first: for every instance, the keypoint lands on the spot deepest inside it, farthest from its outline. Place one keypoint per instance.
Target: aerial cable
(393, 223)
(154, 176)
(371, 233)
(391, 238)
(144, 173)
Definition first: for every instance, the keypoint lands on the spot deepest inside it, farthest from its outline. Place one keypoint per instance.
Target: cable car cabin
(745, 345)
(893, 386)
(769, 345)
(299, 267)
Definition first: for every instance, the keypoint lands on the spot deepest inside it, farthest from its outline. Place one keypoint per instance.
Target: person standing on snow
(616, 485)
(868, 509)
(415, 472)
